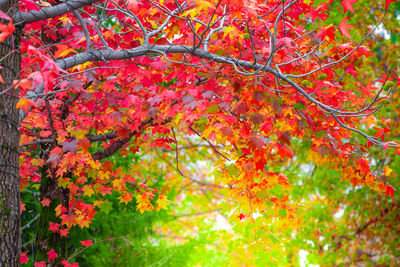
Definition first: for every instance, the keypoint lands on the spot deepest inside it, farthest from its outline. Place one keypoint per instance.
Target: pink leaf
(52, 255)
(4, 16)
(23, 259)
(348, 5)
(40, 264)
(343, 27)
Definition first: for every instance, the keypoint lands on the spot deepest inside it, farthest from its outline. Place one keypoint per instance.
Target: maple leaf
(52, 254)
(25, 104)
(256, 142)
(64, 232)
(126, 198)
(227, 131)
(152, 112)
(343, 27)
(133, 5)
(23, 259)
(319, 13)
(284, 151)
(352, 71)
(60, 210)
(69, 220)
(240, 109)
(4, 16)
(87, 243)
(87, 190)
(22, 207)
(326, 33)
(6, 30)
(388, 2)
(70, 146)
(29, 4)
(54, 227)
(162, 203)
(284, 137)
(45, 202)
(390, 191)
(348, 5)
(68, 264)
(143, 203)
(40, 264)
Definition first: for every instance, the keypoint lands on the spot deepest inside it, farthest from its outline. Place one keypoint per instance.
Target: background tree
(256, 82)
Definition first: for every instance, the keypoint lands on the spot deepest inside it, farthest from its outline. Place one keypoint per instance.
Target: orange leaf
(6, 30)
(25, 104)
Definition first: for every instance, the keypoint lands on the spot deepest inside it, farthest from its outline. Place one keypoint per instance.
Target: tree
(106, 78)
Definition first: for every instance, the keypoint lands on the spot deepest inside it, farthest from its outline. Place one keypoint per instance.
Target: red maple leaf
(351, 70)
(390, 191)
(348, 5)
(86, 243)
(23, 259)
(67, 264)
(64, 232)
(54, 227)
(284, 151)
(45, 202)
(343, 27)
(52, 255)
(40, 264)
(387, 3)
(327, 31)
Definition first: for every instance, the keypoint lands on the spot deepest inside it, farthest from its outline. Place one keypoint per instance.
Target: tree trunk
(10, 61)
(45, 239)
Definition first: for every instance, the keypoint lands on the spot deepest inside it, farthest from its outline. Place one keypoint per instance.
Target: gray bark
(10, 241)
(50, 12)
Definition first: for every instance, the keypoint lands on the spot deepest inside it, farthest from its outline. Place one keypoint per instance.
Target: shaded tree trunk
(10, 61)
(45, 239)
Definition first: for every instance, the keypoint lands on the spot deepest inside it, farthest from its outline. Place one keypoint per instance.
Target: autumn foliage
(249, 87)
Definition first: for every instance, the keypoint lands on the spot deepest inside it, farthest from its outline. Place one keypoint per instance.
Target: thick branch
(109, 54)
(23, 18)
(113, 148)
(118, 144)
(102, 137)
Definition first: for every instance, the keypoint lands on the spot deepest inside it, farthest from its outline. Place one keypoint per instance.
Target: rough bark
(10, 241)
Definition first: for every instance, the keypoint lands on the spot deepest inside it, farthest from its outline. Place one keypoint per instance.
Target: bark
(23, 18)
(10, 240)
(45, 239)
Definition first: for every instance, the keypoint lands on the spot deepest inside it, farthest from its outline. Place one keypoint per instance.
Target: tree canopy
(264, 129)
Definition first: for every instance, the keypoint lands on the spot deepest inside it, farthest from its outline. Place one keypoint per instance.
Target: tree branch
(23, 18)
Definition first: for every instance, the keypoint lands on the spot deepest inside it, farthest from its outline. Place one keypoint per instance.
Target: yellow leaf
(228, 30)
(162, 202)
(87, 190)
(126, 197)
(204, 5)
(37, 162)
(64, 182)
(387, 171)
